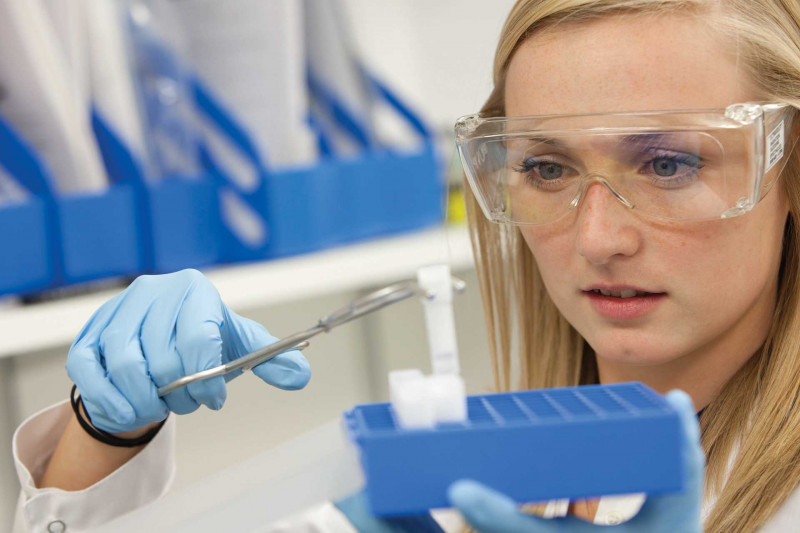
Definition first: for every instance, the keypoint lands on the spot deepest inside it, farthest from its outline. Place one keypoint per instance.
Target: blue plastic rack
(574, 442)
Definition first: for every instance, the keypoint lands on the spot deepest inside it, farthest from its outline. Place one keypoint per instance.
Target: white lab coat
(150, 473)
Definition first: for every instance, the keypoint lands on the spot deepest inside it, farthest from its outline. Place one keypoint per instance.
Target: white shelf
(242, 287)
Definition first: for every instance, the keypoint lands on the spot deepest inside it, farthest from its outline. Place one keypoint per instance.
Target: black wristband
(103, 436)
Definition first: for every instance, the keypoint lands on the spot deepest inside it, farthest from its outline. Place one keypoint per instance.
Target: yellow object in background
(456, 206)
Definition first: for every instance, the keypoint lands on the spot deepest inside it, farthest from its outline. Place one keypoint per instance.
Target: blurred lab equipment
(198, 119)
(163, 81)
(10, 190)
(258, 74)
(341, 98)
(42, 72)
(112, 82)
(316, 466)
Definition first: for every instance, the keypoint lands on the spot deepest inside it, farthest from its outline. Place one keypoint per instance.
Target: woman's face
(713, 283)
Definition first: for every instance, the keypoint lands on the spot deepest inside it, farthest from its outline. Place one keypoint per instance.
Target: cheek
(694, 264)
(684, 250)
(553, 248)
(727, 260)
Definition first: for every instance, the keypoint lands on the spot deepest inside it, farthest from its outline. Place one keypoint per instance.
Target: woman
(724, 320)
(633, 247)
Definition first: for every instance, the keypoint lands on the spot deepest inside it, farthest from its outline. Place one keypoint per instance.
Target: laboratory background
(298, 152)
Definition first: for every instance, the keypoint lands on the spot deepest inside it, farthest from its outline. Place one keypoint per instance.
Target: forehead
(624, 63)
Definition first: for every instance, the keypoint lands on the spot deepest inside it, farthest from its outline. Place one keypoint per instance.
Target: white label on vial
(774, 147)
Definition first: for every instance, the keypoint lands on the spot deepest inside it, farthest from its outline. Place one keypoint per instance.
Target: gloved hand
(157, 330)
(491, 512)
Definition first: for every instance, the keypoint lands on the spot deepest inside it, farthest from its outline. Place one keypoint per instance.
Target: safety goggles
(672, 165)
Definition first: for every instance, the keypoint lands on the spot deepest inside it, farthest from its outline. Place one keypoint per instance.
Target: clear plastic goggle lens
(689, 166)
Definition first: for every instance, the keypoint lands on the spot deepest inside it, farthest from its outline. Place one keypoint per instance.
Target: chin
(633, 358)
(632, 351)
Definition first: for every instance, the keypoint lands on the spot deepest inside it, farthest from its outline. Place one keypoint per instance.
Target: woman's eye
(665, 167)
(550, 171)
(673, 169)
(542, 170)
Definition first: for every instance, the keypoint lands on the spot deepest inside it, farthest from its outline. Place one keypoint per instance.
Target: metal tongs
(298, 341)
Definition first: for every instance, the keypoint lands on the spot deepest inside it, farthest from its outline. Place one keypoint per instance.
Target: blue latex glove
(157, 330)
(491, 512)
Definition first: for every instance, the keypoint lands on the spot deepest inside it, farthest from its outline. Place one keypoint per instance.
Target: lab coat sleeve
(144, 478)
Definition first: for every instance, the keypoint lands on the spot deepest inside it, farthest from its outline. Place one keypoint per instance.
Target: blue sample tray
(573, 442)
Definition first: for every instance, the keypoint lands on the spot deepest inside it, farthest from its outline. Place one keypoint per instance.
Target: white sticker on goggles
(775, 143)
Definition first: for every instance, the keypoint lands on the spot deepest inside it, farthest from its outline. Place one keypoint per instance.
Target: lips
(623, 302)
(624, 293)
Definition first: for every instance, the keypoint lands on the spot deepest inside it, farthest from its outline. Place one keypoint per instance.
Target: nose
(605, 226)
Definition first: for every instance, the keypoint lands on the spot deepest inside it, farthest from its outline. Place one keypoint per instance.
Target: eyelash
(528, 165)
(685, 159)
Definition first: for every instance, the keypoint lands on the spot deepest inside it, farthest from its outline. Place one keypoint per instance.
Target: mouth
(623, 303)
(623, 293)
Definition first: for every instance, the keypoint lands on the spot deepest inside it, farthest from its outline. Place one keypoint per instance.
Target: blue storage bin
(575, 442)
(184, 223)
(100, 234)
(29, 238)
(337, 200)
(385, 192)
(413, 183)
(236, 247)
(412, 190)
(155, 226)
(26, 263)
(357, 213)
(137, 225)
(297, 209)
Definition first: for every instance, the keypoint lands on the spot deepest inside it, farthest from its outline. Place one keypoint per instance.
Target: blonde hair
(759, 405)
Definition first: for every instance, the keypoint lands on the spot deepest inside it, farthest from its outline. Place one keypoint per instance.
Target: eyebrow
(644, 140)
(635, 139)
(633, 142)
(548, 140)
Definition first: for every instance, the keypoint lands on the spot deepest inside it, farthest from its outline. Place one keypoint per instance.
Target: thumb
(240, 336)
(489, 511)
(684, 506)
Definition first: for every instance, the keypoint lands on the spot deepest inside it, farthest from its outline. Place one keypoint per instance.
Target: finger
(492, 512)
(242, 335)
(159, 339)
(688, 502)
(147, 300)
(107, 408)
(288, 371)
(120, 346)
(90, 332)
(127, 370)
(199, 342)
(164, 363)
(105, 405)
